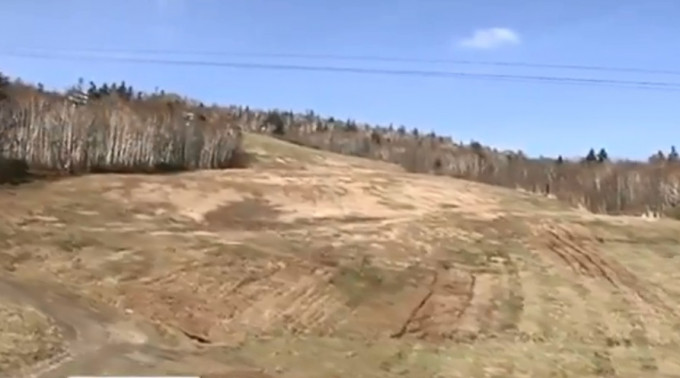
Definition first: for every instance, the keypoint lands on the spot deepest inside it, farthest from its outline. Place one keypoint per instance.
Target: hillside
(313, 264)
(114, 128)
(595, 182)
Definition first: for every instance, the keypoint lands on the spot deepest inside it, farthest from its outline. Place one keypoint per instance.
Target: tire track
(581, 255)
(439, 313)
(282, 299)
(469, 295)
(577, 257)
(513, 298)
(414, 312)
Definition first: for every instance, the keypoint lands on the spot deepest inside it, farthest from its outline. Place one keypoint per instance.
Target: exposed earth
(311, 264)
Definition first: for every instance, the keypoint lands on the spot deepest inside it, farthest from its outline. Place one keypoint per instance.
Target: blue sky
(545, 119)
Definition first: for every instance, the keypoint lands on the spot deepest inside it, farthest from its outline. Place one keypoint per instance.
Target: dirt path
(99, 343)
(84, 330)
(94, 341)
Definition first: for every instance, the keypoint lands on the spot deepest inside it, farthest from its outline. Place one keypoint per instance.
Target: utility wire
(367, 58)
(650, 85)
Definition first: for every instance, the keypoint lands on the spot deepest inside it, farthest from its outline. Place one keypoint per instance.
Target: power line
(650, 85)
(371, 58)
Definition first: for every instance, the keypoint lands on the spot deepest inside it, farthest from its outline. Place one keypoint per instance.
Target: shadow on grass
(14, 171)
(17, 171)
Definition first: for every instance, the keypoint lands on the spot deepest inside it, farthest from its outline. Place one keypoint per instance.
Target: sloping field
(312, 264)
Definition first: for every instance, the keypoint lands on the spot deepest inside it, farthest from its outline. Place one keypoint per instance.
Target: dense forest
(113, 127)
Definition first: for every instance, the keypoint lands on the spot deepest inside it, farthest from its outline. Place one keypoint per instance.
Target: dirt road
(87, 333)
(101, 343)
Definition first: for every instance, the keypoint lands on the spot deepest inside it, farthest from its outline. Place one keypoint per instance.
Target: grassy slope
(312, 264)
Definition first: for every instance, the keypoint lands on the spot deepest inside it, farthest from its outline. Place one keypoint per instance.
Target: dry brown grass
(26, 336)
(614, 187)
(335, 266)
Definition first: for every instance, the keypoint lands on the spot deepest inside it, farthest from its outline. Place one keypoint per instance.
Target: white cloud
(491, 38)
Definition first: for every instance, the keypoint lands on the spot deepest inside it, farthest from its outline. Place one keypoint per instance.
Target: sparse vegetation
(26, 335)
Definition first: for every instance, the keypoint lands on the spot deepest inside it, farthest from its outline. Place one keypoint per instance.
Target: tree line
(595, 181)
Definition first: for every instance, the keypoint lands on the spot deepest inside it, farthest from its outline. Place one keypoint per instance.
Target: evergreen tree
(122, 90)
(275, 119)
(602, 156)
(476, 146)
(673, 155)
(4, 80)
(657, 157)
(591, 156)
(104, 90)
